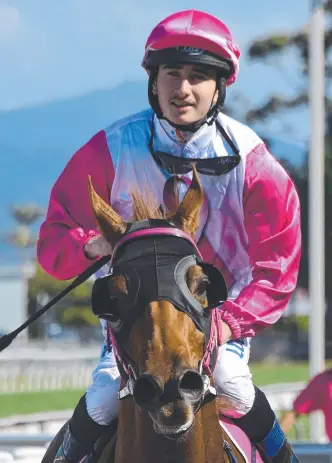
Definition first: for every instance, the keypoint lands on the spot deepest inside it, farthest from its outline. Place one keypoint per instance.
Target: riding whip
(7, 339)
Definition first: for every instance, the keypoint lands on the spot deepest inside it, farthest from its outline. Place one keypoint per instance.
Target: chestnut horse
(160, 301)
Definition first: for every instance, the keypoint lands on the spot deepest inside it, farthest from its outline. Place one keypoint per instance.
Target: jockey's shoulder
(138, 119)
(245, 138)
(242, 135)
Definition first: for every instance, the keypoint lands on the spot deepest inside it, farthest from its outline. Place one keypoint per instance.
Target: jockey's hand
(97, 246)
(226, 333)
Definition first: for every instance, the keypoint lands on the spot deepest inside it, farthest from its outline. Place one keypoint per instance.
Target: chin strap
(195, 125)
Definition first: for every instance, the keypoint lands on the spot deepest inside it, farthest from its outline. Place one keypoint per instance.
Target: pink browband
(155, 232)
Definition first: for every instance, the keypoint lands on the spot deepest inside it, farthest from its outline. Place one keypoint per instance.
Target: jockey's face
(185, 92)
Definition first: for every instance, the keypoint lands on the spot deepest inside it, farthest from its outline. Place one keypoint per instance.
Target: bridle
(157, 230)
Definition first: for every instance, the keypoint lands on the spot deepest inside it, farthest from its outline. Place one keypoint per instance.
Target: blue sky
(56, 49)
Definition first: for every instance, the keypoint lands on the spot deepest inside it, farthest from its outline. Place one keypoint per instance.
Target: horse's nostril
(146, 389)
(191, 385)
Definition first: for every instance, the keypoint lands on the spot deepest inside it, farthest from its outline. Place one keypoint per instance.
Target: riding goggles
(178, 165)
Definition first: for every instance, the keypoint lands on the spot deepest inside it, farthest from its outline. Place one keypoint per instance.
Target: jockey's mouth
(181, 104)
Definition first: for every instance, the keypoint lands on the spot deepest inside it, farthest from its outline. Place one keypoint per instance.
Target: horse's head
(160, 300)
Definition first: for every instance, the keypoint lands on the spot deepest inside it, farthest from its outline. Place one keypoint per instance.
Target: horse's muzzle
(148, 391)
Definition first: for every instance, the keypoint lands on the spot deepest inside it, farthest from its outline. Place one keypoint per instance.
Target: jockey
(316, 395)
(250, 224)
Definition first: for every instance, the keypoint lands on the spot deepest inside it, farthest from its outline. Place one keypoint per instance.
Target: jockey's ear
(187, 214)
(110, 223)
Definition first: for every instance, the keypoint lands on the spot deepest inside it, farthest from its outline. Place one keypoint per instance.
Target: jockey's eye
(173, 73)
(198, 77)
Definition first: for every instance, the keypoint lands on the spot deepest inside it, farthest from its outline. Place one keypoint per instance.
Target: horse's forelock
(145, 205)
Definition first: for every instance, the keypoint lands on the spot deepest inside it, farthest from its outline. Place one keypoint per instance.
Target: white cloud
(9, 22)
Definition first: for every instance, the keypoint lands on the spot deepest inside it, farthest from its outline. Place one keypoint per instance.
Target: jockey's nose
(191, 385)
(183, 89)
(146, 390)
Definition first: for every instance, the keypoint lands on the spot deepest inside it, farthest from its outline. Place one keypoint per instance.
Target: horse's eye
(118, 286)
(202, 287)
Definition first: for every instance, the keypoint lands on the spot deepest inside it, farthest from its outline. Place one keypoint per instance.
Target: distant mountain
(37, 142)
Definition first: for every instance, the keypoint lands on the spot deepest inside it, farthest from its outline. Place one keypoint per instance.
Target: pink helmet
(194, 31)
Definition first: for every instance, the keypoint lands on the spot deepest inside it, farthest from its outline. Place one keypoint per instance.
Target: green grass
(32, 402)
(26, 403)
(279, 373)
(269, 373)
(22, 403)
(301, 430)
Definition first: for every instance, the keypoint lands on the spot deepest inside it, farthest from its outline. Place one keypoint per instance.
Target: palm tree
(270, 50)
(22, 237)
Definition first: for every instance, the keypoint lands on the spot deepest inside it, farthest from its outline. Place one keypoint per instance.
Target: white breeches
(232, 378)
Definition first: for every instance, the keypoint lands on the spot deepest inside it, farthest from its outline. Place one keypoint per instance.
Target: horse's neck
(137, 441)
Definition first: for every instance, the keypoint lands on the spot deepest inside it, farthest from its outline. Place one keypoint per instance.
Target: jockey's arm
(272, 221)
(70, 222)
(311, 398)
(288, 420)
(308, 400)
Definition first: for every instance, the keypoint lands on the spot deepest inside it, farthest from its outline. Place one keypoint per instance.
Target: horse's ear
(110, 224)
(187, 214)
